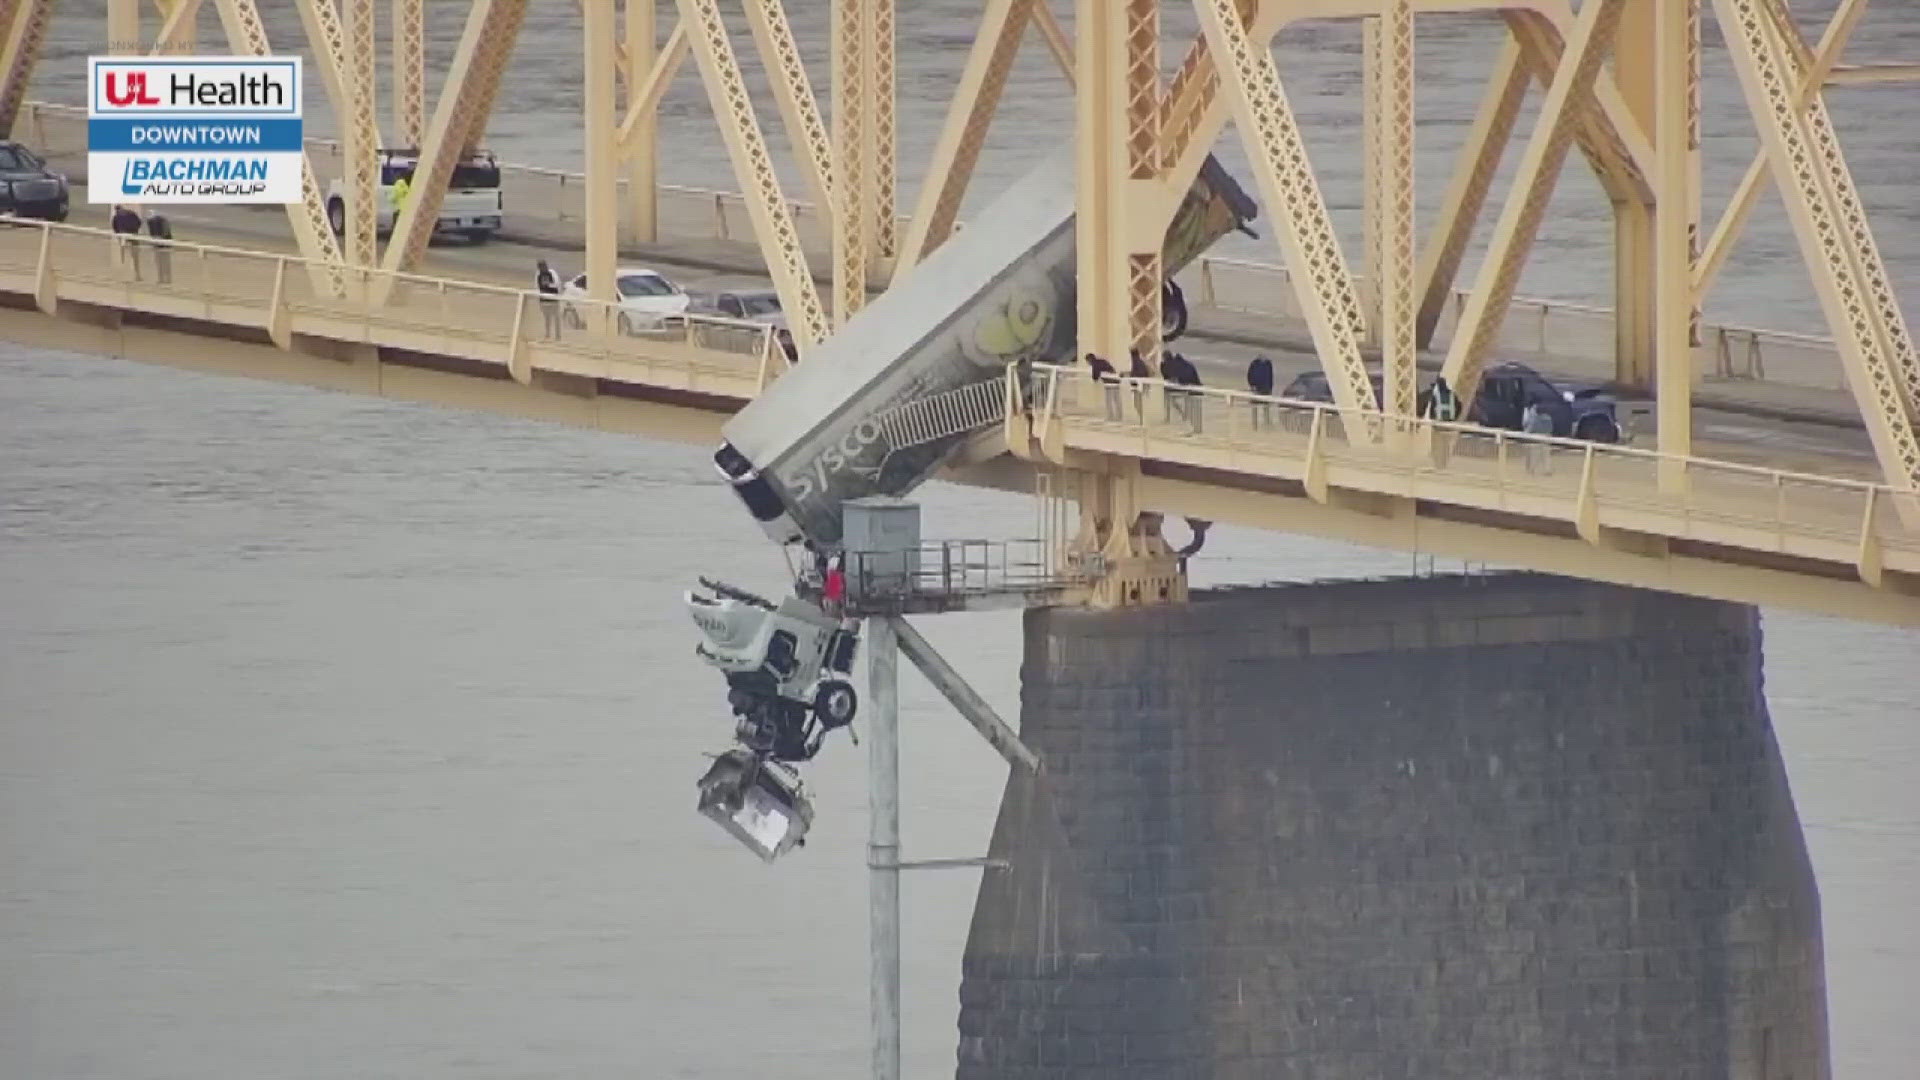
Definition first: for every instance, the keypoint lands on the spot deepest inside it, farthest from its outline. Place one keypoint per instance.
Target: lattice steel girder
(1733, 220)
(882, 136)
(247, 36)
(1101, 279)
(642, 110)
(1533, 183)
(793, 93)
(409, 47)
(178, 33)
(1395, 130)
(772, 215)
(1467, 192)
(851, 176)
(639, 135)
(23, 26)
(1367, 285)
(1609, 136)
(343, 50)
(970, 113)
(1801, 168)
(472, 78)
(602, 154)
(1673, 27)
(1250, 83)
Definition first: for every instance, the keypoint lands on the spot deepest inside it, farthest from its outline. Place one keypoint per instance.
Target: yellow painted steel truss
(1142, 139)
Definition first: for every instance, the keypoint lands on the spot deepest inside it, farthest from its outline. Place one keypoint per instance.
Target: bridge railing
(283, 294)
(1590, 484)
(1549, 331)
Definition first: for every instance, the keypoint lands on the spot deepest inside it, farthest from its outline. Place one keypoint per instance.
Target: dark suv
(27, 187)
(1506, 389)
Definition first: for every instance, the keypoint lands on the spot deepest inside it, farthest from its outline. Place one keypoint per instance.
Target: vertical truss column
(1145, 274)
(970, 112)
(602, 154)
(753, 167)
(1672, 27)
(1373, 191)
(1635, 253)
(23, 26)
(1826, 240)
(641, 144)
(793, 93)
(1467, 192)
(247, 36)
(409, 51)
(342, 42)
(1533, 185)
(850, 212)
(124, 37)
(1251, 84)
(1396, 135)
(493, 26)
(882, 137)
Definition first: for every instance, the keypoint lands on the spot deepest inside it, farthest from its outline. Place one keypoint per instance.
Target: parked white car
(646, 298)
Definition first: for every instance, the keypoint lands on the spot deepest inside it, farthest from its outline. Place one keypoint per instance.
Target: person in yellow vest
(402, 187)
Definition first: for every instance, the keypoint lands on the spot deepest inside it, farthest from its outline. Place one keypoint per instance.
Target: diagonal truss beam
(1733, 220)
(793, 93)
(882, 135)
(247, 36)
(769, 209)
(1610, 137)
(1533, 183)
(1250, 83)
(23, 26)
(1829, 226)
(1058, 44)
(1467, 192)
(651, 87)
(344, 51)
(409, 47)
(851, 239)
(1003, 23)
(485, 44)
(176, 33)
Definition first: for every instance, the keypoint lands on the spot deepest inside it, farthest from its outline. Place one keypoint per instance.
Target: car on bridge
(1506, 389)
(749, 305)
(646, 299)
(28, 188)
(472, 206)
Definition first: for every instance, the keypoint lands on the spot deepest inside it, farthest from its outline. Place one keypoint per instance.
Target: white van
(472, 206)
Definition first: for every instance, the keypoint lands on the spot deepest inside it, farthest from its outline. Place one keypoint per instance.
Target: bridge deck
(1805, 538)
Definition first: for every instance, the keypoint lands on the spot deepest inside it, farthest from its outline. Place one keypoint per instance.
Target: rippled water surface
(344, 739)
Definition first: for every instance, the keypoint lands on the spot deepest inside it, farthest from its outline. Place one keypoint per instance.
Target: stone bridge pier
(1493, 827)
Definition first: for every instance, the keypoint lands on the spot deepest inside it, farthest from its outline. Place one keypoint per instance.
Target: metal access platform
(941, 576)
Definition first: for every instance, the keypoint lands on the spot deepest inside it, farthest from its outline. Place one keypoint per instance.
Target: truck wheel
(337, 216)
(479, 236)
(835, 703)
(1597, 429)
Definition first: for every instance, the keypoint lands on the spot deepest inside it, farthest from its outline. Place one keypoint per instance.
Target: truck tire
(835, 703)
(479, 236)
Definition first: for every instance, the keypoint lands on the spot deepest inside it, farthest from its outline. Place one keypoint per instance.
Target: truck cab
(472, 206)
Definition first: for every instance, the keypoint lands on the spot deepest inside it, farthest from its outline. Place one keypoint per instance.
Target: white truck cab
(472, 206)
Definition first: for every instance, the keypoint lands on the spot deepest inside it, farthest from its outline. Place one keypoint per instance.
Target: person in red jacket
(834, 591)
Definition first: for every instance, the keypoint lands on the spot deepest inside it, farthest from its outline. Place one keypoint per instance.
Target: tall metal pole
(883, 842)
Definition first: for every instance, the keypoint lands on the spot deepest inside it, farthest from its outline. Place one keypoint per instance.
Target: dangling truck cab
(472, 207)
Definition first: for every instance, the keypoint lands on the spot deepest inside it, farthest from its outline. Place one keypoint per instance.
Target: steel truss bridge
(1617, 79)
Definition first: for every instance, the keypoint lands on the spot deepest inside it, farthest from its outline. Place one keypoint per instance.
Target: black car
(1506, 389)
(27, 187)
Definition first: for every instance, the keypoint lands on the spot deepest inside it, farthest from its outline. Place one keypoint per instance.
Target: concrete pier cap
(1503, 825)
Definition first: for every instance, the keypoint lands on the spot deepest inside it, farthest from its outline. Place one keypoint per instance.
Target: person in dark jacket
(1260, 381)
(1138, 369)
(547, 284)
(160, 228)
(1109, 382)
(126, 225)
(1188, 376)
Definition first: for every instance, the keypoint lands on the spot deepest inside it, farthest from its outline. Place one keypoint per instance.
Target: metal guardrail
(273, 292)
(1753, 507)
(1547, 329)
(957, 569)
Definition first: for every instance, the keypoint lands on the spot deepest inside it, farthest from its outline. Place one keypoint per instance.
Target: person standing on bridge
(161, 229)
(1260, 382)
(1140, 372)
(126, 226)
(547, 284)
(1109, 383)
(1442, 404)
(1538, 423)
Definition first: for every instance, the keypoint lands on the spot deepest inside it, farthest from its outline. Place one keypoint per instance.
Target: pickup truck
(472, 206)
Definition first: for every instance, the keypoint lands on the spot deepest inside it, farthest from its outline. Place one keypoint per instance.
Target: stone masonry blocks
(1507, 826)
